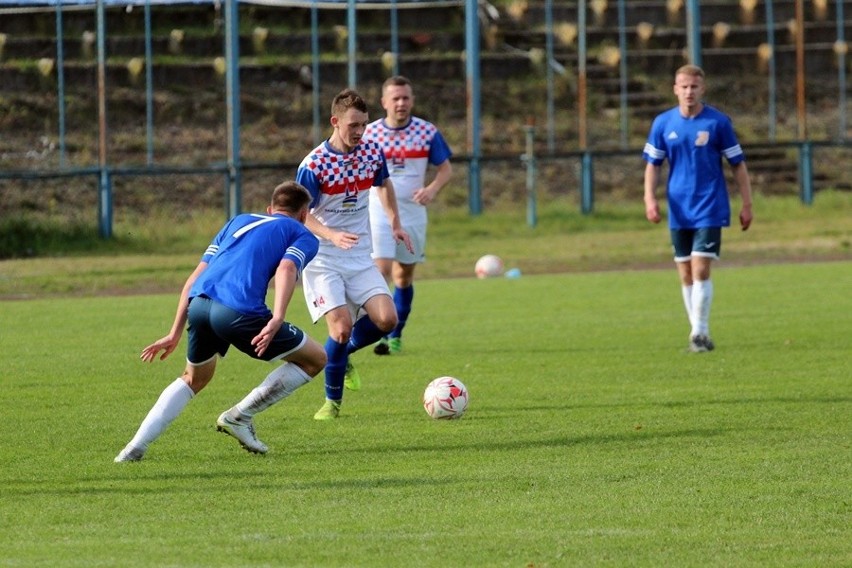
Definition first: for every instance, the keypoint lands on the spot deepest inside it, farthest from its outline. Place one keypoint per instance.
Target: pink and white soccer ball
(488, 266)
(445, 398)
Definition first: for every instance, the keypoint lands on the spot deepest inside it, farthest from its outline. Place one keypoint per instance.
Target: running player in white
(410, 145)
(694, 137)
(224, 301)
(342, 284)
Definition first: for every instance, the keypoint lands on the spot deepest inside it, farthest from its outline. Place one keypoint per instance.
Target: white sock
(171, 403)
(279, 384)
(702, 298)
(687, 303)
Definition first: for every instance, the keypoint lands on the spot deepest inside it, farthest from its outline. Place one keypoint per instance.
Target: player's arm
(425, 195)
(652, 179)
(743, 181)
(168, 343)
(340, 239)
(285, 283)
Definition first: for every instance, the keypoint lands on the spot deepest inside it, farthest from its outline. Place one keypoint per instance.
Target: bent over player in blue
(694, 137)
(224, 302)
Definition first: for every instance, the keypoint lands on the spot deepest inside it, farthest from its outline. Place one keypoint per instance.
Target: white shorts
(384, 245)
(329, 283)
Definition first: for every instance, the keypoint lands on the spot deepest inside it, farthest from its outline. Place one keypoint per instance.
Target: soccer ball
(445, 398)
(488, 266)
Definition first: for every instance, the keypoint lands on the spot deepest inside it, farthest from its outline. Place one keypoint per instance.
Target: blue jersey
(696, 190)
(244, 256)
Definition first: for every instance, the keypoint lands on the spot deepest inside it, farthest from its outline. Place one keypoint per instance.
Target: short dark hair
(346, 99)
(397, 81)
(291, 197)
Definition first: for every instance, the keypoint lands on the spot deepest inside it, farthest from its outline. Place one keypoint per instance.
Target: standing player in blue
(342, 283)
(224, 301)
(694, 137)
(410, 145)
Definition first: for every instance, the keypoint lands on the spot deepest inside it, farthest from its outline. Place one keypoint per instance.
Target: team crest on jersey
(702, 138)
(350, 197)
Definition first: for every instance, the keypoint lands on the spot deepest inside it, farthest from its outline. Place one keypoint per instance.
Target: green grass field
(592, 438)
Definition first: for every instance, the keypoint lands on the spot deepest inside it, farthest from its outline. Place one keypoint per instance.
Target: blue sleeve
(730, 146)
(306, 177)
(439, 150)
(382, 173)
(655, 148)
(213, 247)
(302, 250)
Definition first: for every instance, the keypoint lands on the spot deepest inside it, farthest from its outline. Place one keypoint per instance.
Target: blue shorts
(214, 327)
(706, 242)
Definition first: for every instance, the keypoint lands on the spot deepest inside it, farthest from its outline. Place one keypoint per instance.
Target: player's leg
(403, 297)
(202, 352)
(325, 295)
(385, 266)
(402, 275)
(339, 322)
(368, 291)
(682, 240)
(299, 368)
(304, 358)
(705, 250)
(174, 398)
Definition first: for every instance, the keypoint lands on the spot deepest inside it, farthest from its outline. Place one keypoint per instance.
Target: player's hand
(745, 218)
(423, 196)
(400, 236)
(166, 344)
(652, 212)
(262, 340)
(344, 240)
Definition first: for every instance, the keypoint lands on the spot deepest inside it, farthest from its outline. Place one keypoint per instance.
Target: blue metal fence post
(149, 86)
(551, 105)
(105, 186)
(806, 174)
(841, 49)
(394, 22)
(587, 194)
(105, 203)
(232, 66)
(315, 72)
(473, 101)
(693, 31)
(529, 160)
(60, 82)
(352, 46)
(773, 91)
(622, 71)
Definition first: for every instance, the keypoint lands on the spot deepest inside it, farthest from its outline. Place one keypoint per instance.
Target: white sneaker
(243, 431)
(129, 454)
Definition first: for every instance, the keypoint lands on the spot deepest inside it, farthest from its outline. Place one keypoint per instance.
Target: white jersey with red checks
(340, 184)
(408, 151)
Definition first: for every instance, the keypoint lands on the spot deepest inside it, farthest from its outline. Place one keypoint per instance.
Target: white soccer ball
(445, 398)
(488, 266)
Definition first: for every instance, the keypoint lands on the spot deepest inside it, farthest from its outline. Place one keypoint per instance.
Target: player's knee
(198, 378)
(341, 334)
(313, 367)
(386, 323)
